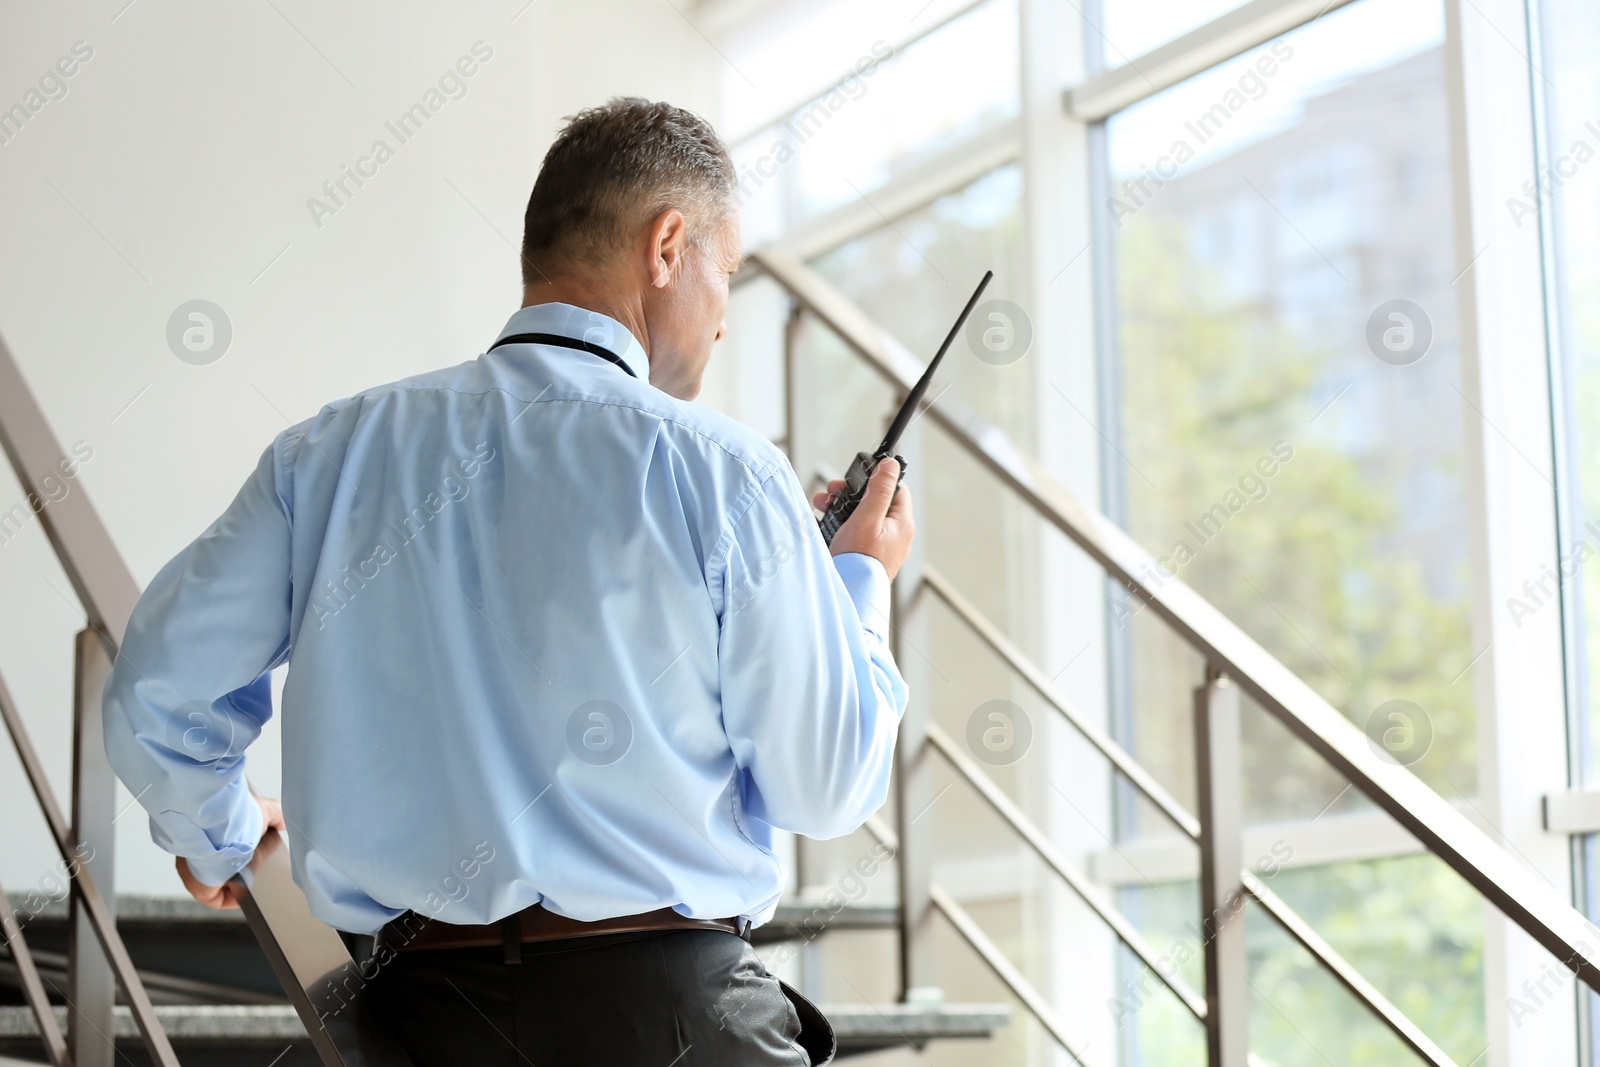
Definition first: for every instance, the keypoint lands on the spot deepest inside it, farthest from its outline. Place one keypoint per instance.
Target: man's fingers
(880, 490)
(226, 896)
(900, 507)
(821, 500)
(210, 895)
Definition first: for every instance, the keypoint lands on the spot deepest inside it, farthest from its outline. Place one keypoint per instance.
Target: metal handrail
(1126, 765)
(980, 942)
(1471, 853)
(1005, 970)
(1352, 979)
(1228, 652)
(308, 955)
(107, 591)
(1008, 810)
(83, 885)
(55, 1045)
(1291, 921)
(102, 581)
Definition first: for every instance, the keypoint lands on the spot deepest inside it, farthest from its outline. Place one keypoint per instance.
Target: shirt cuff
(868, 585)
(217, 868)
(211, 865)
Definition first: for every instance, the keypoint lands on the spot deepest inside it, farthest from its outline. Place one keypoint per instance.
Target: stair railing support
(1222, 898)
(91, 983)
(914, 792)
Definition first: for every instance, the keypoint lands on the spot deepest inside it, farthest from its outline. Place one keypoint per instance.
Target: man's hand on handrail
(225, 895)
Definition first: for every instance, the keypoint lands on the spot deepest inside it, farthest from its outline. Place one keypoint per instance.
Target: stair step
(201, 962)
(131, 907)
(211, 1035)
(806, 917)
(869, 1027)
(160, 918)
(204, 1034)
(137, 908)
(190, 951)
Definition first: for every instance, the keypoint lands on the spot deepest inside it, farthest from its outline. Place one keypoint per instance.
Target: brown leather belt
(412, 932)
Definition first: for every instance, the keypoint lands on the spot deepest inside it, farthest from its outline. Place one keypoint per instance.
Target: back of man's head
(613, 168)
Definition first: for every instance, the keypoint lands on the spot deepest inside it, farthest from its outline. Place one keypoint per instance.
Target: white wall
(178, 166)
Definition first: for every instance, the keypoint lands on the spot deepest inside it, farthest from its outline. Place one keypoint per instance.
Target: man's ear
(668, 239)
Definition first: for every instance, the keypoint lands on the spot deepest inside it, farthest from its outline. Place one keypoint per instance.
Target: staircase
(214, 987)
(216, 995)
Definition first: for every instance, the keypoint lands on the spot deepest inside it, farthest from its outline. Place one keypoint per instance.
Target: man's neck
(581, 293)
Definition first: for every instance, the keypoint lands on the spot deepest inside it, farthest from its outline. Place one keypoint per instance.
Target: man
(564, 650)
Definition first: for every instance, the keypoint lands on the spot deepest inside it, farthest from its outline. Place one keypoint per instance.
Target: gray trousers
(676, 998)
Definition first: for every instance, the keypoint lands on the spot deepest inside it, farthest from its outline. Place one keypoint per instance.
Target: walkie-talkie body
(855, 487)
(856, 479)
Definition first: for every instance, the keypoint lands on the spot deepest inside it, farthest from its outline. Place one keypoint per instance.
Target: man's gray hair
(614, 167)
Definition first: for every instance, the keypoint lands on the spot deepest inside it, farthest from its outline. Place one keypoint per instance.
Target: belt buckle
(743, 923)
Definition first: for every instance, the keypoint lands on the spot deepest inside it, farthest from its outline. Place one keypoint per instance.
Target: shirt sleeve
(190, 690)
(811, 696)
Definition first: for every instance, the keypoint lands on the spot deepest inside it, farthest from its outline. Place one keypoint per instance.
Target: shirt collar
(581, 324)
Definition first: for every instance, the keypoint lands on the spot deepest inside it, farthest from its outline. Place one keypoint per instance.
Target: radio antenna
(908, 410)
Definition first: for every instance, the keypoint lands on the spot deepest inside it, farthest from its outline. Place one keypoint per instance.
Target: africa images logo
(199, 332)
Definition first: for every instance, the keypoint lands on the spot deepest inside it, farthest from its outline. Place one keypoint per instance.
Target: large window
(1130, 28)
(1569, 181)
(1571, 184)
(1285, 422)
(1280, 234)
(890, 108)
(1270, 220)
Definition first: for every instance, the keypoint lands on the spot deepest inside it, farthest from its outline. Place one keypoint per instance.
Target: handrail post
(913, 795)
(91, 983)
(1222, 900)
(914, 755)
(792, 327)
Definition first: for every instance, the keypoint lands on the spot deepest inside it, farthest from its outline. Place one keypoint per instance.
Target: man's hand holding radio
(882, 525)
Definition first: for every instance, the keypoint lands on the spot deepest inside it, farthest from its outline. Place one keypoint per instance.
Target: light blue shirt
(553, 636)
